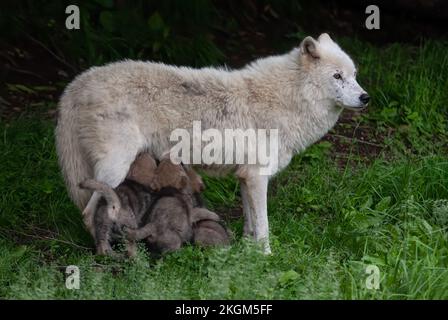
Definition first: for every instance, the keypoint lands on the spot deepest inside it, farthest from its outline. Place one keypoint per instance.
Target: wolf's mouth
(360, 108)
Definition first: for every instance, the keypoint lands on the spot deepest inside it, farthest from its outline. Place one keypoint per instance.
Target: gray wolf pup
(109, 114)
(169, 224)
(130, 201)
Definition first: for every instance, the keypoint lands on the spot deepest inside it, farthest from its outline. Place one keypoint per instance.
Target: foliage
(328, 220)
(173, 31)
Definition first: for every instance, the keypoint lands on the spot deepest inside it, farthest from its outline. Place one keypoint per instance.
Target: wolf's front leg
(257, 188)
(248, 230)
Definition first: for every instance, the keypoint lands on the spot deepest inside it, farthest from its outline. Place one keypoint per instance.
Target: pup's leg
(257, 188)
(102, 232)
(248, 226)
(103, 248)
(131, 248)
(146, 231)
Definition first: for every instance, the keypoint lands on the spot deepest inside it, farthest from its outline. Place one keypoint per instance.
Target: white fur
(108, 114)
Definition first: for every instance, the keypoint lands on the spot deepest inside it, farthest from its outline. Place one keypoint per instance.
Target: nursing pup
(129, 202)
(170, 224)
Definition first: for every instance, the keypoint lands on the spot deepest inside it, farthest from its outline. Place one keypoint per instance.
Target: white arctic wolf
(109, 114)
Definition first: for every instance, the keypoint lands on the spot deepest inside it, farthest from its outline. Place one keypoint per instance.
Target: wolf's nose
(364, 98)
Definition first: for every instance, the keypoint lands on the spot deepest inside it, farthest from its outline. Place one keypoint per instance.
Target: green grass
(328, 221)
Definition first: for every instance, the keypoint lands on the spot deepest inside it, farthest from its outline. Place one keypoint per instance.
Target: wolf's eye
(337, 76)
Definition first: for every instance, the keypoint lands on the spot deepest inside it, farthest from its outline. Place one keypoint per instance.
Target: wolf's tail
(112, 199)
(72, 158)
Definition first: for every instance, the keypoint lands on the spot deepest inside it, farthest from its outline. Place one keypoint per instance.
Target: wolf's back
(72, 158)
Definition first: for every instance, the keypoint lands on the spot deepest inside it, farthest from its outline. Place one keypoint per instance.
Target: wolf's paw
(267, 251)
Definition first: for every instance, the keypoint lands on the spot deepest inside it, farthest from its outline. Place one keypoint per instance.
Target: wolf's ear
(308, 47)
(324, 37)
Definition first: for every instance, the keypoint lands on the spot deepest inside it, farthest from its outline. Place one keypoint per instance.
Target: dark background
(37, 49)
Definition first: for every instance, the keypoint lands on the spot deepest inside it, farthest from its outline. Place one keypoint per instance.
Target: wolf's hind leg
(112, 148)
(111, 168)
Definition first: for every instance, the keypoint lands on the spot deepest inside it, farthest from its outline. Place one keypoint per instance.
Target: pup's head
(143, 170)
(170, 175)
(334, 72)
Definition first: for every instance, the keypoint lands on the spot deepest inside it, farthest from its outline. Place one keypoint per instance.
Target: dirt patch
(231, 214)
(355, 140)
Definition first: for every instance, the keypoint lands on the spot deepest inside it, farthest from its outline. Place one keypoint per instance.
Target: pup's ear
(308, 47)
(324, 37)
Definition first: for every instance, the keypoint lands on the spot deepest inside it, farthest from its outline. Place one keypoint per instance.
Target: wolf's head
(333, 71)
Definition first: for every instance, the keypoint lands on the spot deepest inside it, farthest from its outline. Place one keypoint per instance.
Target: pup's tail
(112, 199)
(198, 214)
